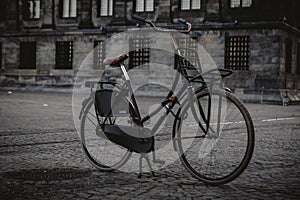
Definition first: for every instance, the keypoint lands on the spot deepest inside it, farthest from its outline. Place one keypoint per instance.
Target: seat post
(125, 72)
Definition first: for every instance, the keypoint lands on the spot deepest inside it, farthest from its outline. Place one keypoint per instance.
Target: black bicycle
(213, 132)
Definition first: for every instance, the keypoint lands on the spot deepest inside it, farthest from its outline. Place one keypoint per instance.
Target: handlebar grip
(138, 18)
(183, 21)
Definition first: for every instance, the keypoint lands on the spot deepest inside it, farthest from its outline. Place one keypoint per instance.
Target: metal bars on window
(0, 55)
(288, 56)
(298, 59)
(64, 55)
(27, 55)
(188, 50)
(237, 52)
(99, 54)
(140, 52)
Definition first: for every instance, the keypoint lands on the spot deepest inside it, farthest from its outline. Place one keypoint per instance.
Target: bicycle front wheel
(220, 153)
(101, 152)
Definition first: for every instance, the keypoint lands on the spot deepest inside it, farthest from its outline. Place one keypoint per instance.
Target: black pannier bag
(110, 103)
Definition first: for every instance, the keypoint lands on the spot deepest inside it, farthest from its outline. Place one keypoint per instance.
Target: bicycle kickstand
(146, 157)
(155, 160)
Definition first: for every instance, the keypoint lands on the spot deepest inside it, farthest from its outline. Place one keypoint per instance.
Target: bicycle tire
(235, 137)
(100, 152)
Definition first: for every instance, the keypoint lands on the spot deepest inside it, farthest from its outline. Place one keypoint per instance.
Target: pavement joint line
(279, 119)
(40, 143)
(9, 133)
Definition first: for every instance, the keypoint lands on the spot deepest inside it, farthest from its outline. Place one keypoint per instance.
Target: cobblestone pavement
(41, 158)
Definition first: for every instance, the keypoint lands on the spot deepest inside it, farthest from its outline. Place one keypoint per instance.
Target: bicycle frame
(171, 99)
(125, 127)
(186, 91)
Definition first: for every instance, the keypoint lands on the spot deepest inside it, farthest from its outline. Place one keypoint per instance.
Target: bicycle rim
(101, 152)
(224, 153)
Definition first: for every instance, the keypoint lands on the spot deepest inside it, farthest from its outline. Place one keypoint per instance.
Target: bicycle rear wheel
(101, 152)
(223, 153)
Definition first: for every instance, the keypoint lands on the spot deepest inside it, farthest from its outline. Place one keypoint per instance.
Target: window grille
(64, 55)
(190, 4)
(288, 56)
(240, 3)
(69, 8)
(298, 58)
(32, 9)
(0, 55)
(99, 54)
(27, 55)
(144, 6)
(3, 13)
(237, 52)
(191, 52)
(139, 52)
(187, 42)
(106, 7)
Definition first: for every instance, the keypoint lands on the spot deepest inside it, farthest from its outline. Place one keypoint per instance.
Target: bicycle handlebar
(183, 21)
(138, 18)
(152, 24)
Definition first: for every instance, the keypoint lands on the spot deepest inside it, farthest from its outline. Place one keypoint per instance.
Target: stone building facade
(43, 42)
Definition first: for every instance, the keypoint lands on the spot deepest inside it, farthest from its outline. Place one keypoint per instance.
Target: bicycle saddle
(115, 61)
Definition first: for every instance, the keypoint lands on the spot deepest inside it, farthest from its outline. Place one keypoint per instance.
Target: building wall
(266, 78)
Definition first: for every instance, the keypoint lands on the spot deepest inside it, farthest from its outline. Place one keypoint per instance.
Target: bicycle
(112, 113)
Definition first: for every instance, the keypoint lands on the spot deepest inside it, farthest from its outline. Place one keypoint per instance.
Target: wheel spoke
(222, 154)
(101, 152)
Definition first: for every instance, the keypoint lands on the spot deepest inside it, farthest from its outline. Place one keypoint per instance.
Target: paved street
(41, 158)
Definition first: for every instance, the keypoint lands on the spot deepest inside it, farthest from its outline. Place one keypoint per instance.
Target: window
(64, 55)
(106, 7)
(31, 9)
(99, 54)
(27, 55)
(190, 52)
(237, 51)
(3, 13)
(298, 58)
(190, 4)
(139, 52)
(288, 56)
(144, 6)
(69, 8)
(187, 42)
(0, 55)
(240, 3)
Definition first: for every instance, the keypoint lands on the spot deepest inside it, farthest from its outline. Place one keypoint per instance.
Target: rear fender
(84, 104)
